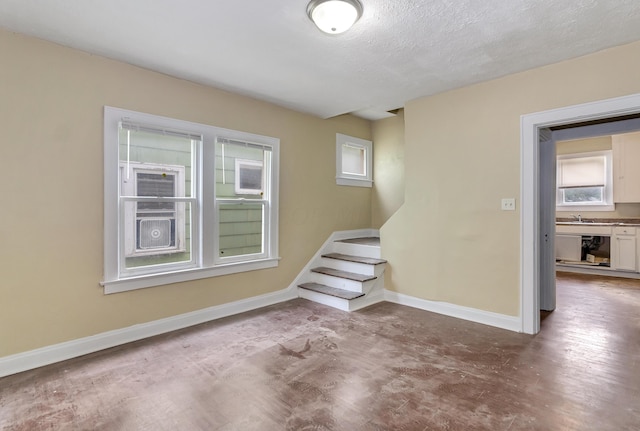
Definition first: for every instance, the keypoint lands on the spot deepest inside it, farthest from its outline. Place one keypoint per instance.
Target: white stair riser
(341, 283)
(374, 296)
(321, 298)
(356, 249)
(358, 268)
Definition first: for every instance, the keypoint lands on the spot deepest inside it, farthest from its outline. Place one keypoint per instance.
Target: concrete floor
(303, 366)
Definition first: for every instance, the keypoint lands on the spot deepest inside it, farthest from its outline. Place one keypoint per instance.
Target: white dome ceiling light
(334, 16)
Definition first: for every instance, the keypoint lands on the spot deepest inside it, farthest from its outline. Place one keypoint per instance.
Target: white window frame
(607, 204)
(350, 179)
(204, 226)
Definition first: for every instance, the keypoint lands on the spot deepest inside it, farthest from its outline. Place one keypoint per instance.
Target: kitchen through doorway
(537, 207)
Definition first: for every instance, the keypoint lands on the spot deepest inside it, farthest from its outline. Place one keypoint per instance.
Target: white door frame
(529, 176)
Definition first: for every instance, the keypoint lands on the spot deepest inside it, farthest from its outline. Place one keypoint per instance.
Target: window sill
(585, 208)
(353, 182)
(141, 282)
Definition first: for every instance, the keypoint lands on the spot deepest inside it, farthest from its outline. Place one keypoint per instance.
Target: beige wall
(450, 241)
(388, 168)
(600, 143)
(51, 104)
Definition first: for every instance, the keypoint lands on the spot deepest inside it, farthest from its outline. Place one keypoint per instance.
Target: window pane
(241, 229)
(353, 160)
(157, 185)
(163, 155)
(583, 195)
(157, 165)
(156, 238)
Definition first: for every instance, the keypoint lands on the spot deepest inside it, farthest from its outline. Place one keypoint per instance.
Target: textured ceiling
(270, 50)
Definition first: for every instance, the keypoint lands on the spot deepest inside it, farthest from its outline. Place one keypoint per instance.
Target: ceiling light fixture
(334, 16)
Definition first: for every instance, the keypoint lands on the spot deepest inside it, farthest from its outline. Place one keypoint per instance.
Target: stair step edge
(370, 241)
(356, 259)
(332, 291)
(343, 274)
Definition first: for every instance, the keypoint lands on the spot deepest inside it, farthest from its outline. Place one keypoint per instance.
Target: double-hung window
(185, 201)
(243, 196)
(584, 182)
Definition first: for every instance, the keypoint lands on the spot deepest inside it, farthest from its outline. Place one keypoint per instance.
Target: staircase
(348, 274)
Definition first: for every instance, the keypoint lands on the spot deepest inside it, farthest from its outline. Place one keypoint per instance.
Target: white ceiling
(268, 49)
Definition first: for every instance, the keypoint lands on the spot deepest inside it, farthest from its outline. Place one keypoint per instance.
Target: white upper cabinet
(626, 163)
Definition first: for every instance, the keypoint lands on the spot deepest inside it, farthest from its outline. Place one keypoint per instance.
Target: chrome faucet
(577, 217)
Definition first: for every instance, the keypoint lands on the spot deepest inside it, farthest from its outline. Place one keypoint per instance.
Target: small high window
(354, 158)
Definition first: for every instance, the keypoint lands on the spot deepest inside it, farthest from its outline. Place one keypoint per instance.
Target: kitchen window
(185, 201)
(585, 182)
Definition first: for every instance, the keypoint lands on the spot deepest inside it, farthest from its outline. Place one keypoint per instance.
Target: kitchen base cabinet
(620, 240)
(624, 249)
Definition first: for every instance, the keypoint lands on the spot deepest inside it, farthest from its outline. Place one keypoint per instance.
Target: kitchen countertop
(599, 222)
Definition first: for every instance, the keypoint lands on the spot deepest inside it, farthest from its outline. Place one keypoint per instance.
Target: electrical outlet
(508, 204)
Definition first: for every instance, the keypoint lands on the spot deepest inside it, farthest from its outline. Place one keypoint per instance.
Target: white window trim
(346, 179)
(205, 260)
(608, 204)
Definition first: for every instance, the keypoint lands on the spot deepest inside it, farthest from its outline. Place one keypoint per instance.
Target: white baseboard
(71, 349)
(511, 323)
(59, 352)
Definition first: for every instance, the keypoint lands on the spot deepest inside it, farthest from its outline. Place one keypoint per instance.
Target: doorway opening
(535, 228)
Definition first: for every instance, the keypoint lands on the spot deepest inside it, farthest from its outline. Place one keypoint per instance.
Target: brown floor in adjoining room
(304, 366)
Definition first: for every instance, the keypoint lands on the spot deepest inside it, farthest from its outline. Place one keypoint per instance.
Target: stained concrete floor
(304, 366)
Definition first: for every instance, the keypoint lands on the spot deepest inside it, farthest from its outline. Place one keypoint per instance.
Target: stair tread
(370, 241)
(333, 291)
(357, 259)
(343, 274)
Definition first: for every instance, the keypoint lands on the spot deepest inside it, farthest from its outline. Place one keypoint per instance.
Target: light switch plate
(508, 204)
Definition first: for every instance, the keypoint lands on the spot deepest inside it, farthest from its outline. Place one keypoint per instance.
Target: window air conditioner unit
(156, 233)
